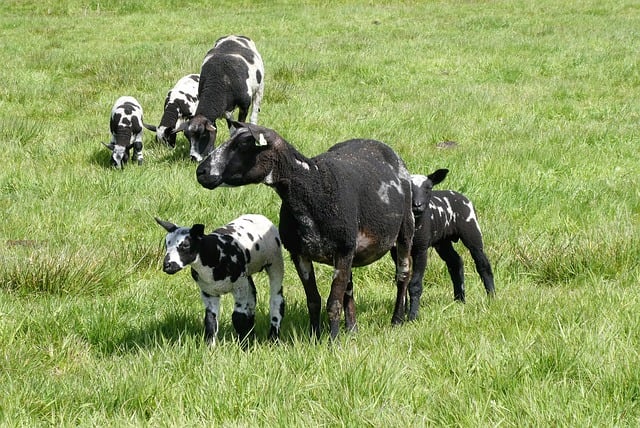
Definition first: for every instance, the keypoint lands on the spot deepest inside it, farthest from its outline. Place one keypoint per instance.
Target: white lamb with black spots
(232, 76)
(179, 107)
(223, 262)
(126, 131)
(441, 218)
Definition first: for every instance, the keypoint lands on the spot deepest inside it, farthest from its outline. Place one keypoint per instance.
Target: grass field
(543, 101)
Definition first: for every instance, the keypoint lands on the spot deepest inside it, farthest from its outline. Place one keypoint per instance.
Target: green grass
(542, 100)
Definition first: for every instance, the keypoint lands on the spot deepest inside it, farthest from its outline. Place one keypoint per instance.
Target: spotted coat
(346, 208)
(231, 76)
(125, 125)
(179, 107)
(223, 262)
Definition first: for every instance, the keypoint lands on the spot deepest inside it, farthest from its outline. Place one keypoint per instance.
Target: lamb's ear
(149, 127)
(109, 146)
(168, 226)
(182, 127)
(438, 176)
(197, 231)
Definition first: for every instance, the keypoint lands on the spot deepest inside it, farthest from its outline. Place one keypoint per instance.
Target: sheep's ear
(263, 136)
(109, 146)
(210, 126)
(438, 176)
(197, 231)
(149, 127)
(168, 226)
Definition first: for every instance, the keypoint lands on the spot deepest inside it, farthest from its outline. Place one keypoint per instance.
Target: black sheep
(346, 208)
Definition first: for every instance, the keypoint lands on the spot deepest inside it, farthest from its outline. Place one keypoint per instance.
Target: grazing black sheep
(232, 75)
(443, 217)
(346, 208)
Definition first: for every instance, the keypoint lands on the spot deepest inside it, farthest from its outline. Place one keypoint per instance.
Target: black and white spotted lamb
(346, 208)
(223, 262)
(180, 106)
(125, 124)
(443, 217)
(232, 75)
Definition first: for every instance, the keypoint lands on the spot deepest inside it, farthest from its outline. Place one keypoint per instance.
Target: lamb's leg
(455, 266)
(243, 317)
(341, 278)
(243, 111)
(211, 311)
(276, 299)
(350, 308)
(304, 267)
(484, 269)
(415, 284)
(137, 151)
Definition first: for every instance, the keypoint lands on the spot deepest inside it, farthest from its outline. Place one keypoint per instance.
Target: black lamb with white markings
(223, 261)
(232, 75)
(179, 107)
(443, 217)
(346, 208)
(125, 124)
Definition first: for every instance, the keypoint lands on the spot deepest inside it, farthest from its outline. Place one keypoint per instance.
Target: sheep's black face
(240, 160)
(422, 189)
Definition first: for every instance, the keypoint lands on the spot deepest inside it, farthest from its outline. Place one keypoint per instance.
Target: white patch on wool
(301, 163)
(269, 178)
(363, 241)
(383, 191)
(472, 214)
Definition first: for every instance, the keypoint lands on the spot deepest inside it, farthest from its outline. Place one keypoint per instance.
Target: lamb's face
(181, 250)
(119, 154)
(165, 135)
(422, 189)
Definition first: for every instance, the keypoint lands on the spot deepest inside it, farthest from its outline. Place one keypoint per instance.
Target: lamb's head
(119, 154)
(201, 133)
(182, 245)
(164, 134)
(247, 157)
(422, 188)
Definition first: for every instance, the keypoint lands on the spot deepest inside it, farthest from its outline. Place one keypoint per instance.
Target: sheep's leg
(455, 266)
(350, 307)
(211, 311)
(403, 265)
(242, 113)
(243, 317)
(276, 299)
(341, 278)
(415, 284)
(304, 267)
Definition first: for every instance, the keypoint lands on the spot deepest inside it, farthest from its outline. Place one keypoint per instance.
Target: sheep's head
(202, 133)
(422, 188)
(182, 245)
(247, 157)
(119, 154)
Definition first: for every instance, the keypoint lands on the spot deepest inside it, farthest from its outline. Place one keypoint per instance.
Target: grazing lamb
(346, 208)
(232, 75)
(126, 131)
(223, 262)
(443, 217)
(179, 107)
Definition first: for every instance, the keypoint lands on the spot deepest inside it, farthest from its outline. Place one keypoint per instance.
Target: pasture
(543, 102)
